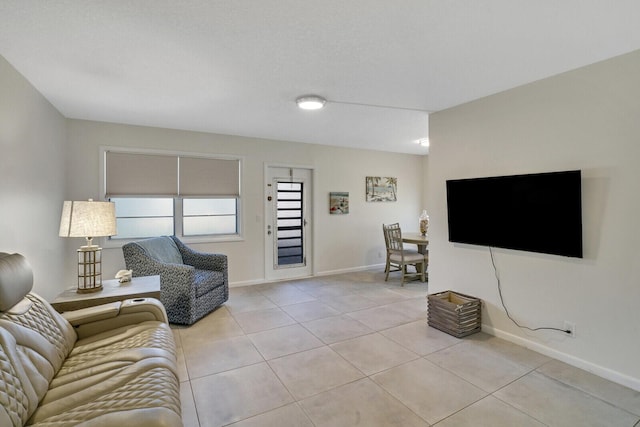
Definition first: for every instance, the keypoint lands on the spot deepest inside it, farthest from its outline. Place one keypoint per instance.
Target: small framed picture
(338, 203)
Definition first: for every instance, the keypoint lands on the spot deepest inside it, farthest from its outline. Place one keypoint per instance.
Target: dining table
(417, 239)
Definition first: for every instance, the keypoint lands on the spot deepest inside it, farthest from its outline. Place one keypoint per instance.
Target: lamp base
(89, 290)
(89, 269)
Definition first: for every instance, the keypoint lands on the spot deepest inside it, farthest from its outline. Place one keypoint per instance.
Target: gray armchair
(192, 283)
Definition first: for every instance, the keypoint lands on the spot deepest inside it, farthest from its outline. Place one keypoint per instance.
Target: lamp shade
(88, 219)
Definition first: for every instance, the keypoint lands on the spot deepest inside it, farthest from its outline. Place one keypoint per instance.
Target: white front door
(288, 223)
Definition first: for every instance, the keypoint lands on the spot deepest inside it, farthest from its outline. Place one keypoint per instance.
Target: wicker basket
(454, 313)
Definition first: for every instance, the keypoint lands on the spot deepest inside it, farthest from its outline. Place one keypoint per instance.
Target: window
(209, 216)
(136, 217)
(164, 194)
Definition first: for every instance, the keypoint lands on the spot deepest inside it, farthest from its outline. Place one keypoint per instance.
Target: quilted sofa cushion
(123, 376)
(112, 350)
(141, 392)
(43, 340)
(48, 377)
(18, 398)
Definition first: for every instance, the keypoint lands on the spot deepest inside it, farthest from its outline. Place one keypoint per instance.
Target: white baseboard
(350, 270)
(246, 283)
(601, 371)
(317, 274)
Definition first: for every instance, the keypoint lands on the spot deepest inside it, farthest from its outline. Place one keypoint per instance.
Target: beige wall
(425, 188)
(587, 119)
(341, 242)
(32, 164)
(48, 159)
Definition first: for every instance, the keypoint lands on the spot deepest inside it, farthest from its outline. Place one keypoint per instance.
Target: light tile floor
(353, 350)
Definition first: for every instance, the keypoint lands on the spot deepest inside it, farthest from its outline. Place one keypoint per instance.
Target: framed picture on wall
(381, 189)
(338, 203)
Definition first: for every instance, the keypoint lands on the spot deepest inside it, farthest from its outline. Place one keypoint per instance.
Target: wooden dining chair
(386, 243)
(399, 257)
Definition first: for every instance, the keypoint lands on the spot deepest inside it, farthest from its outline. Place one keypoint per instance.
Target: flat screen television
(539, 212)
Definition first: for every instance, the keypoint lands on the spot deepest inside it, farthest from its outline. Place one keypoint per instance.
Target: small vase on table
(424, 223)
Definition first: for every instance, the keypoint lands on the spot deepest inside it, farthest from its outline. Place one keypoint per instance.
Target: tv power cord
(495, 271)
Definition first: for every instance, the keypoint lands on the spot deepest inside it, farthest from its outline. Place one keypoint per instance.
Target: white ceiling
(237, 66)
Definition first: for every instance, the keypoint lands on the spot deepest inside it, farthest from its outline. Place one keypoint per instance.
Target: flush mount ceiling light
(316, 102)
(311, 102)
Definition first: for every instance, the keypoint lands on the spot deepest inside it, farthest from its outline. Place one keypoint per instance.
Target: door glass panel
(289, 220)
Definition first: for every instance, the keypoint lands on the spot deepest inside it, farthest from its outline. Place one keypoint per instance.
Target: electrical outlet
(571, 327)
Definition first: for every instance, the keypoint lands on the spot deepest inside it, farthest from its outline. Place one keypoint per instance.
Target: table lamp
(88, 219)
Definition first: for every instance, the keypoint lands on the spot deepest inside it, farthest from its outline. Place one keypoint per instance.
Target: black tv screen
(534, 212)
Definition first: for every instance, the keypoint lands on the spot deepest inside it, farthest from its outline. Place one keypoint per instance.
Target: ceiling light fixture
(311, 102)
(316, 102)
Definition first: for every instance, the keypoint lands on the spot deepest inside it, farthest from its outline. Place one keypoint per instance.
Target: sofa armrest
(148, 306)
(92, 314)
(141, 263)
(93, 320)
(201, 260)
(175, 279)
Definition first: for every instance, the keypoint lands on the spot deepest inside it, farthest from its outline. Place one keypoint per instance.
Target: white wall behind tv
(341, 242)
(587, 119)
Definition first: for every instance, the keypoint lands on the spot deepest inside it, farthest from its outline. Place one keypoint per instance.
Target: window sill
(118, 243)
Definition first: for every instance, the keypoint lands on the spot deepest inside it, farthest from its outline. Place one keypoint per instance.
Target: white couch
(111, 365)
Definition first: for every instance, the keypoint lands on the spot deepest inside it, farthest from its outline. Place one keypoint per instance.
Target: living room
(581, 119)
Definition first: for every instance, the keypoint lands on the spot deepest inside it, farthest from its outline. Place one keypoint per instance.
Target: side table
(112, 291)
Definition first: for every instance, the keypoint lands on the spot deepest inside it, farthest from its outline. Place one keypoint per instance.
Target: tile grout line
(580, 390)
(531, 368)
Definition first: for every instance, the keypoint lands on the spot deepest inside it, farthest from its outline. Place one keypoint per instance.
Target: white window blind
(157, 175)
(141, 174)
(209, 177)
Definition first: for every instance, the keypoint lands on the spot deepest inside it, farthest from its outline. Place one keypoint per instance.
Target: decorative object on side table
(424, 223)
(454, 313)
(88, 219)
(124, 276)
